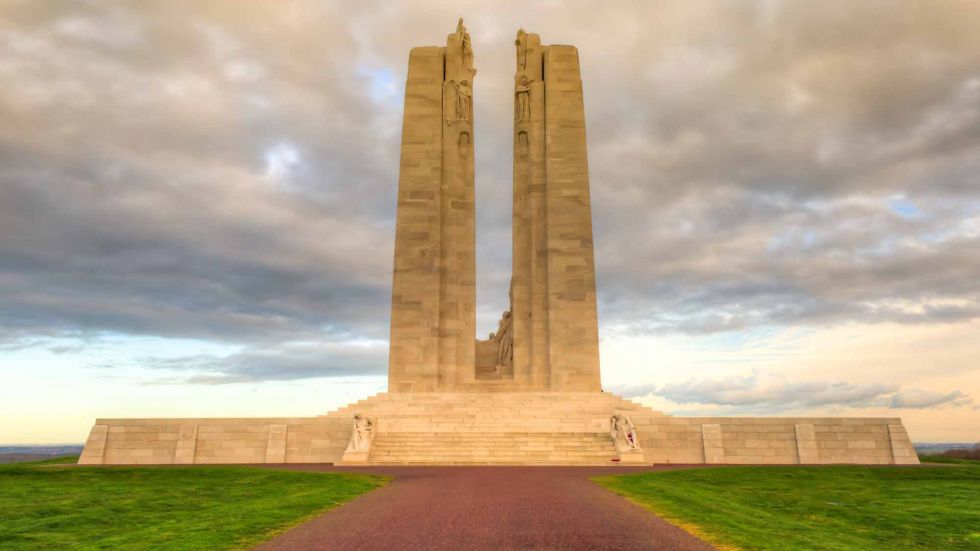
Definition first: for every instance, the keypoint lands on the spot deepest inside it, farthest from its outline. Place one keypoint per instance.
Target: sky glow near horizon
(197, 204)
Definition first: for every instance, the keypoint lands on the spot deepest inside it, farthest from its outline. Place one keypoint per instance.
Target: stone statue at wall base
(362, 437)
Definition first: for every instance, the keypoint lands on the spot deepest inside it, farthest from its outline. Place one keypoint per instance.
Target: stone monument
(530, 393)
(549, 338)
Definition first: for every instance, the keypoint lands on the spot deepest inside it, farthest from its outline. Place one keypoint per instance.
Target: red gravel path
(493, 508)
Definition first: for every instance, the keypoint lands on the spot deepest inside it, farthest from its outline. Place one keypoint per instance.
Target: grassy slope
(48, 505)
(814, 508)
(952, 460)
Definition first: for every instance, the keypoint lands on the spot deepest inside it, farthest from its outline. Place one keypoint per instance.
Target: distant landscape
(17, 454)
(936, 449)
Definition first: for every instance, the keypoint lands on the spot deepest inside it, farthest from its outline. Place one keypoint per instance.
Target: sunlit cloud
(774, 391)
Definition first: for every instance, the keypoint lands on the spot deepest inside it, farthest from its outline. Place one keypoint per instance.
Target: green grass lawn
(48, 505)
(813, 508)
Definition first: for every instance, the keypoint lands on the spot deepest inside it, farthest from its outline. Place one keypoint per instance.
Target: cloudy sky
(197, 203)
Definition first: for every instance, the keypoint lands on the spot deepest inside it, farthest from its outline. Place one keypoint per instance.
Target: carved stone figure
(521, 44)
(523, 89)
(623, 433)
(466, 47)
(505, 342)
(362, 434)
(464, 100)
(458, 109)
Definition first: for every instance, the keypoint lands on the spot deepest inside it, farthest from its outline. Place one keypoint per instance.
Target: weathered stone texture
(415, 313)
(433, 307)
(573, 330)
(275, 449)
(94, 451)
(903, 453)
(806, 444)
(713, 443)
(186, 447)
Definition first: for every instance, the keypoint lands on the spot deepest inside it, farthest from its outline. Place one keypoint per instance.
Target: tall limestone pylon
(433, 310)
(549, 338)
(556, 331)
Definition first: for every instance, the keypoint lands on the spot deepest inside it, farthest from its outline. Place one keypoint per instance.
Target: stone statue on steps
(363, 434)
(623, 433)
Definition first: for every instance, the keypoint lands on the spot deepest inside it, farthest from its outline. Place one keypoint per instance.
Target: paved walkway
(493, 508)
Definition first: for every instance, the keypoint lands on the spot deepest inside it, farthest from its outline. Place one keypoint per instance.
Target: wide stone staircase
(520, 428)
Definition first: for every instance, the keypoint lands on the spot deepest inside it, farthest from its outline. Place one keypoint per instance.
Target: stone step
(461, 437)
(500, 448)
(598, 448)
(530, 403)
(541, 428)
(486, 413)
(484, 437)
(437, 462)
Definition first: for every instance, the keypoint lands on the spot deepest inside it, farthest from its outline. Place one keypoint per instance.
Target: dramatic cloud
(191, 177)
(289, 362)
(227, 172)
(774, 391)
(926, 399)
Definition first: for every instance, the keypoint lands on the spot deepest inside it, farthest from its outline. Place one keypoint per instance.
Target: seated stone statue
(363, 434)
(623, 433)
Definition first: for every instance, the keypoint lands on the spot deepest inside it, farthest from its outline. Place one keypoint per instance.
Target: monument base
(354, 458)
(506, 428)
(634, 457)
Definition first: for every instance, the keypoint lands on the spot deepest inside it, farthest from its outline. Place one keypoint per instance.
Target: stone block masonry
(216, 441)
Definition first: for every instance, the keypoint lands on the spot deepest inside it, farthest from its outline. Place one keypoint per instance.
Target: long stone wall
(524, 425)
(216, 441)
(771, 440)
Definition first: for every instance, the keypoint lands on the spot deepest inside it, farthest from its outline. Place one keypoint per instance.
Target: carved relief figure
(363, 433)
(521, 44)
(523, 84)
(505, 342)
(464, 100)
(523, 98)
(459, 101)
(466, 47)
(623, 433)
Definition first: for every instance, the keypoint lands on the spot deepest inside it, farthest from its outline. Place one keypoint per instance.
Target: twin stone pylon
(548, 340)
